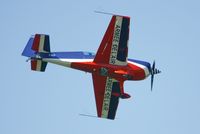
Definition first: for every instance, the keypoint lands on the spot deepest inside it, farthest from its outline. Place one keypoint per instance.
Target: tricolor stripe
(41, 43)
(38, 65)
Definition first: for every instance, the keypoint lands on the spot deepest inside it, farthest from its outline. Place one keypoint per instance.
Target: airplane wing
(114, 46)
(113, 50)
(105, 89)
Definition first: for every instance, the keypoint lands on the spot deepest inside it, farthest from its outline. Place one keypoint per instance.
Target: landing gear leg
(123, 95)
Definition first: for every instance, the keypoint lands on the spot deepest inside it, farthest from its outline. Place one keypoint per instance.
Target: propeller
(153, 72)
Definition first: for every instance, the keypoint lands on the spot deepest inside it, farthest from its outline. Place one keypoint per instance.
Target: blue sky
(47, 103)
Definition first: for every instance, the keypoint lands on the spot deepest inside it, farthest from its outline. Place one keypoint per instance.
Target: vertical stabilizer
(39, 43)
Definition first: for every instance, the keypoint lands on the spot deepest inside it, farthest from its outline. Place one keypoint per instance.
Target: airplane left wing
(107, 92)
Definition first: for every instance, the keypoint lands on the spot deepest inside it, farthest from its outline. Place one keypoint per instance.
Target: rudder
(39, 43)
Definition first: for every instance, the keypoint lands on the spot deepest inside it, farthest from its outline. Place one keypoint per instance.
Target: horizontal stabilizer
(38, 65)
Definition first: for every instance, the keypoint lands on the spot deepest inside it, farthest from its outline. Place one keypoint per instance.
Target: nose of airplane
(147, 68)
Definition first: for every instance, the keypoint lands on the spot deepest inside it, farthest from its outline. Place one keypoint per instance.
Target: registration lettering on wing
(113, 57)
(116, 39)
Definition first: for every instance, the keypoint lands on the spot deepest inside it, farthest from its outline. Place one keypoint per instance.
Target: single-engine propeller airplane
(109, 67)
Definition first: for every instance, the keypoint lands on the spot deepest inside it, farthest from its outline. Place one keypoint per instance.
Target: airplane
(110, 67)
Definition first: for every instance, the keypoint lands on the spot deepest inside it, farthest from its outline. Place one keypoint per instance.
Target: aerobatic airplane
(109, 67)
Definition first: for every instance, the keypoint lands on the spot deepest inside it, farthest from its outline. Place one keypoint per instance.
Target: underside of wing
(106, 90)
(114, 46)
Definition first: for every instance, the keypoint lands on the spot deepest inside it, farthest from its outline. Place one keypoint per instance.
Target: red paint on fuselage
(138, 73)
(117, 72)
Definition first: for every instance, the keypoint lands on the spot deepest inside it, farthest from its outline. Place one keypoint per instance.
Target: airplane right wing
(114, 46)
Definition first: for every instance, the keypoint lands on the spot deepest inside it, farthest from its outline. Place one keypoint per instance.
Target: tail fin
(37, 44)
(41, 43)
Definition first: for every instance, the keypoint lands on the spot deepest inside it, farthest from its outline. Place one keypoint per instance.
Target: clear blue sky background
(48, 103)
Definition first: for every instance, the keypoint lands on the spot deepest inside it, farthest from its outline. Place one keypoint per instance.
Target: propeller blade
(153, 72)
(153, 67)
(152, 77)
